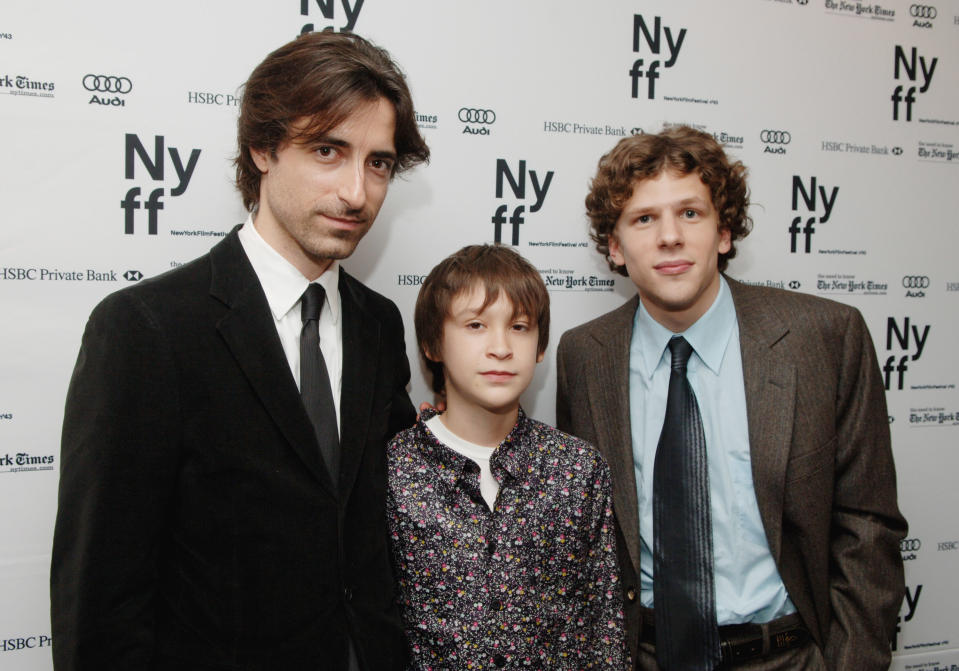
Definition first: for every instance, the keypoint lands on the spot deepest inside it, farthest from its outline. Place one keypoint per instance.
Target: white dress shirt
(284, 285)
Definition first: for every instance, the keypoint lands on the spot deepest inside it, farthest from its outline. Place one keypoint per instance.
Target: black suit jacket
(197, 526)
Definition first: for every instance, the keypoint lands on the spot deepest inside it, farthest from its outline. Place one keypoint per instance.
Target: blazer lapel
(608, 394)
(251, 336)
(361, 347)
(770, 382)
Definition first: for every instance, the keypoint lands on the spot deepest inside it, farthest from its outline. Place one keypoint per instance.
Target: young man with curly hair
(745, 427)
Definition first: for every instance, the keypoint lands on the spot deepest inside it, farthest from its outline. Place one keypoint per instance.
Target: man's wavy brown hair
(679, 149)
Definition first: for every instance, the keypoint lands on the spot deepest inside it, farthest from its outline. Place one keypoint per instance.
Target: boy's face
(668, 238)
(488, 356)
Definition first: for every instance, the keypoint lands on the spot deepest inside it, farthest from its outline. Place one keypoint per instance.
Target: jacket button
(499, 660)
(631, 594)
(347, 594)
(497, 605)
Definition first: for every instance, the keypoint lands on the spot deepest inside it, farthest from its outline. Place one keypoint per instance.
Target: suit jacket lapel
(770, 381)
(251, 336)
(608, 393)
(361, 346)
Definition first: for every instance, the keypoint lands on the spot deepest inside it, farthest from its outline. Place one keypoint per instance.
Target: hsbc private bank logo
(351, 12)
(518, 185)
(648, 67)
(155, 167)
(811, 199)
(912, 69)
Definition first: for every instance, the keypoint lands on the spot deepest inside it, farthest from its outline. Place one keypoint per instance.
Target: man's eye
(325, 152)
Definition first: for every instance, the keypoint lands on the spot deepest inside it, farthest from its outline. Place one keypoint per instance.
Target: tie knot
(681, 351)
(312, 302)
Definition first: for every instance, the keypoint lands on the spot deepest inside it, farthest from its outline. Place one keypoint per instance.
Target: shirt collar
(709, 335)
(282, 283)
(511, 455)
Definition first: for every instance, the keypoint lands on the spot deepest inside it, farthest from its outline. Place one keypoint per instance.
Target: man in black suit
(201, 523)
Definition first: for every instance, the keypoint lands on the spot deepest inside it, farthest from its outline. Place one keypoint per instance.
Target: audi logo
(909, 545)
(133, 275)
(794, 284)
(636, 131)
(803, 2)
(897, 151)
(107, 84)
(470, 115)
(776, 136)
(923, 11)
(915, 282)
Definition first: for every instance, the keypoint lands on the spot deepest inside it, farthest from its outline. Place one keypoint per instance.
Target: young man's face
(318, 200)
(668, 238)
(488, 356)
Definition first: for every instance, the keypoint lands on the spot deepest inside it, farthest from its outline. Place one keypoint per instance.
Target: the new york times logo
(809, 198)
(155, 167)
(351, 12)
(911, 603)
(909, 67)
(908, 337)
(24, 461)
(518, 187)
(654, 42)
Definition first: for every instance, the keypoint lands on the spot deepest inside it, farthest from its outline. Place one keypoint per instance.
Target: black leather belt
(742, 642)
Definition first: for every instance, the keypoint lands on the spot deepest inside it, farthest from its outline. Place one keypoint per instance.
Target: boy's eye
(520, 327)
(474, 325)
(689, 214)
(325, 151)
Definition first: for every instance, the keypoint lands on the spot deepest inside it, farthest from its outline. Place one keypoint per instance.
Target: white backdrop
(846, 113)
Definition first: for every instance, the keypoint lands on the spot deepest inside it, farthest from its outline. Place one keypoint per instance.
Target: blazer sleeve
(866, 582)
(117, 468)
(402, 412)
(564, 421)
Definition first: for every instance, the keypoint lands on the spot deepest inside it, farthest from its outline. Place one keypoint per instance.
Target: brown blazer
(821, 459)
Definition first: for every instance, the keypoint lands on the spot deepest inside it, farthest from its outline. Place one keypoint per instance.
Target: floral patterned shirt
(532, 584)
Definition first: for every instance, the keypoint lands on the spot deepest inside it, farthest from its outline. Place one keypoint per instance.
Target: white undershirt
(489, 486)
(284, 285)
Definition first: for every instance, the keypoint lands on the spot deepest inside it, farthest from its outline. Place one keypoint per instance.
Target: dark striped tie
(687, 637)
(315, 389)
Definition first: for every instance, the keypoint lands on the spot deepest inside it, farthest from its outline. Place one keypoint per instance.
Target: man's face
(317, 200)
(668, 238)
(488, 355)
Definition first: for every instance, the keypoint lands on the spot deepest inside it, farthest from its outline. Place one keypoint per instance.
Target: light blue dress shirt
(748, 586)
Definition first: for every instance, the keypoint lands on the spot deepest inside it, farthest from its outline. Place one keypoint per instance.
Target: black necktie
(315, 387)
(687, 638)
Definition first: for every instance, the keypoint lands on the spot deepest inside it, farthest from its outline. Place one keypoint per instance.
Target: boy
(501, 526)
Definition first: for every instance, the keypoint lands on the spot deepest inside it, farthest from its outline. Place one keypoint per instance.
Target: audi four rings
(909, 545)
(470, 115)
(915, 282)
(775, 136)
(923, 11)
(107, 84)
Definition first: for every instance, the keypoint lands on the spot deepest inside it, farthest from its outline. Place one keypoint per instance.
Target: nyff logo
(518, 187)
(906, 339)
(911, 603)
(155, 167)
(327, 7)
(909, 66)
(654, 43)
(809, 198)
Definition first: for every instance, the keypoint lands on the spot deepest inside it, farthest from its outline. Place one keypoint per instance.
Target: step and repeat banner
(118, 131)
